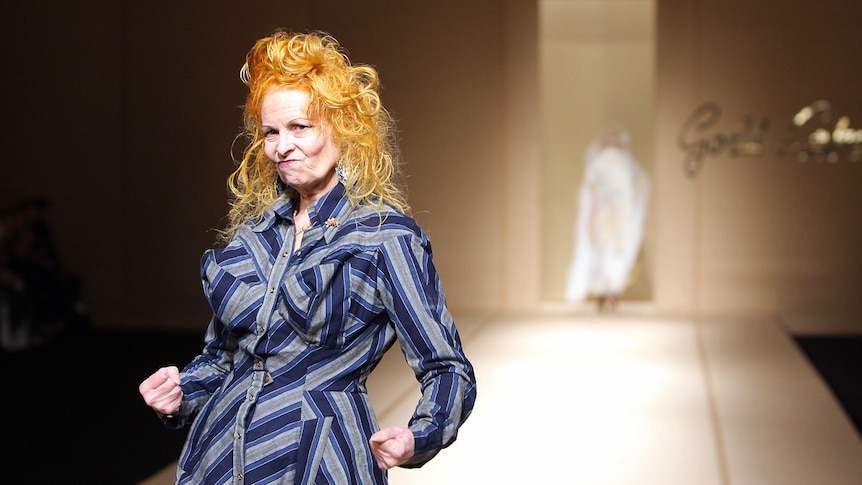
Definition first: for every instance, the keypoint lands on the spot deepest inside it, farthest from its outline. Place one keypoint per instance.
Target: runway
(631, 398)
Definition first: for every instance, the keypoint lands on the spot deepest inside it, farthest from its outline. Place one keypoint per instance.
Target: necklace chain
(303, 228)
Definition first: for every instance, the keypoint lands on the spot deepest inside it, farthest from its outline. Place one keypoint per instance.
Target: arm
(205, 374)
(413, 295)
(176, 396)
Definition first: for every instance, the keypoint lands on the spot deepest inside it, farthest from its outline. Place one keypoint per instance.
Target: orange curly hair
(343, 96)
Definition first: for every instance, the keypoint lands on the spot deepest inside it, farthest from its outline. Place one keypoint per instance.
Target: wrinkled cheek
(269, 151)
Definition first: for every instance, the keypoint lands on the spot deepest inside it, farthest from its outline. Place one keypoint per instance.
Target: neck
(310, 195)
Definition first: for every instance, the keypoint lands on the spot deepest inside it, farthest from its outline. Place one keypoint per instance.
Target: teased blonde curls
(343, 96)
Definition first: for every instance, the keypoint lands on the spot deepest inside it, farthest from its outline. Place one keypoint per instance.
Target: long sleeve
(203, 376)
(429, 340)
(278, 393)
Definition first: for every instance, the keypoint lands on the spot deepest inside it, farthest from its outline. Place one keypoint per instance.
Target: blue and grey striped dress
(278, 394)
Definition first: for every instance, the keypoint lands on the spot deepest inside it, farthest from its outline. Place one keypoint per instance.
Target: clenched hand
(161, 391)
(392, 446)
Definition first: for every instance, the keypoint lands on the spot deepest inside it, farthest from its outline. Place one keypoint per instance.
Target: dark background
(73, 414)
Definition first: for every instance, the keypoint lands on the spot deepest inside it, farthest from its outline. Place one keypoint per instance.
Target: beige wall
(757, 234)
(124, 115)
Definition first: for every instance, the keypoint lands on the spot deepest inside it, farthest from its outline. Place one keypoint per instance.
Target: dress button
(285, 254)
(272, 290)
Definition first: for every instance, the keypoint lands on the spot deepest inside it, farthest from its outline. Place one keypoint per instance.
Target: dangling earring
(280, 187)
(341, 172)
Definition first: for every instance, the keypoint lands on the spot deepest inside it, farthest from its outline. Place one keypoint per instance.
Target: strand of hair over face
(344, 96)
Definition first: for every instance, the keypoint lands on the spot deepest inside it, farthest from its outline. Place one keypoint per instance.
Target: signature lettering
(698, 141)
(812, 137)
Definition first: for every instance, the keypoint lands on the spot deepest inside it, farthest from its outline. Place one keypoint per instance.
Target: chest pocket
(330, 302)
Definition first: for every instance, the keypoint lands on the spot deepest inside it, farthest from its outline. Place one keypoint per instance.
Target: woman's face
(302, 149)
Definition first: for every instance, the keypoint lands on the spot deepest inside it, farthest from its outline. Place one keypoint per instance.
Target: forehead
(284, 103)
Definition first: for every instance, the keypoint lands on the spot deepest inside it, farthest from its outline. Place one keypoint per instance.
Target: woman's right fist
(161, 391)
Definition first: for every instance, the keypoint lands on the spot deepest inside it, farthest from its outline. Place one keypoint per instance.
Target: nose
(285, 144)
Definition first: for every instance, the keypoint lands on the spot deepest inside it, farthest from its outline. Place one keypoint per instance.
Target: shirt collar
(329, 211)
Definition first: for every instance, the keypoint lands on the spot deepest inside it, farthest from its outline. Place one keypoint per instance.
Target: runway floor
(629, 399)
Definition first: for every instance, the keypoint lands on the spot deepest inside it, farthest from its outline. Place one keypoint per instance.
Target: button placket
(276, 274)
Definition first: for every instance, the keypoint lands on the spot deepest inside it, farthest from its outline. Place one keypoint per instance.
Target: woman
(322, 271)
(612, 204)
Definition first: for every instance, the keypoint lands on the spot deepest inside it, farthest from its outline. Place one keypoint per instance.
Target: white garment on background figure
(612, 203)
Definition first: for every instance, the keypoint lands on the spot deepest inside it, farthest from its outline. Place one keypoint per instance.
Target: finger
(379, 454)
(173, 374)
(170, 390)
(154, 393)
(381, 460)
(169, 403)
(153, 382)
(383, 435)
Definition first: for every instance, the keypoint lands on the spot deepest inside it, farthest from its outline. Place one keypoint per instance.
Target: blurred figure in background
(39, 299)
(612, 203)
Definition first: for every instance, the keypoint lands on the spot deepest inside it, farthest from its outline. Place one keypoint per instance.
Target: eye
(300, 128)
(270, 134)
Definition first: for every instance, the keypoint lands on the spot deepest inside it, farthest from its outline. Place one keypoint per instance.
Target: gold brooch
(331, 222)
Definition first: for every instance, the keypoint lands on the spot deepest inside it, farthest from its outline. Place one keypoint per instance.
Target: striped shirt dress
(278, 393)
